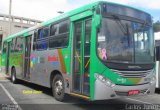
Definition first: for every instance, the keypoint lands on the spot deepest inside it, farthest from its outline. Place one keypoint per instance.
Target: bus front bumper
(103, 91)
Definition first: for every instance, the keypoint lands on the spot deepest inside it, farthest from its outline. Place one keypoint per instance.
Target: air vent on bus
(133, 74)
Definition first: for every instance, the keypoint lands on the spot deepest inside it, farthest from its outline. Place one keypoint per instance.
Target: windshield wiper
(120, 24)
(123, 28)
(143, 26)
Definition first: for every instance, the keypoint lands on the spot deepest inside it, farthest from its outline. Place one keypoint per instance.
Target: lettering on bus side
(122, 80)
(53, 59)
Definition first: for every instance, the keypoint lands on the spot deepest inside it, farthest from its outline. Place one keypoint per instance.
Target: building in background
(17, 24)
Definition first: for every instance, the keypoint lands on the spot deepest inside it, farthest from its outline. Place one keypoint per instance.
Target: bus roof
(62, 16)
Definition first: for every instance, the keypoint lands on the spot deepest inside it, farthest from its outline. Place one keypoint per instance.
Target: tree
(156, 26)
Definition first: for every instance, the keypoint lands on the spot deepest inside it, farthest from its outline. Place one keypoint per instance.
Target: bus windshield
(125, 41)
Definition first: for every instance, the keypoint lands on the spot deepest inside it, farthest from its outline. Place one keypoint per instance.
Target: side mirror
(98, 20)
(98, 30)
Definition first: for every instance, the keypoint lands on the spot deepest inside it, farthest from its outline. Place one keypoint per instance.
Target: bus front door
(81, 57)
(27, 57)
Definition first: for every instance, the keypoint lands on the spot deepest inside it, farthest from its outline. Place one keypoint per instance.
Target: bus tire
(58, 88)
(13, 76)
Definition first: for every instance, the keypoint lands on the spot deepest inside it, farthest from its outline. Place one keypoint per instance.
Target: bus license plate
(133, 92)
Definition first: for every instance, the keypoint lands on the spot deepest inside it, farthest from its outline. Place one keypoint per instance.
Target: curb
(3, 76)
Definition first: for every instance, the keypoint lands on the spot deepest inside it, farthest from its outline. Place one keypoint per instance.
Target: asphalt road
(27, 96)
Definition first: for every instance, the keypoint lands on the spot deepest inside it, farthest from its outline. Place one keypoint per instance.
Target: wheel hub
(13, 77)
(58, 87)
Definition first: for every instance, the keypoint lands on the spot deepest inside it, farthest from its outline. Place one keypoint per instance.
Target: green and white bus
(99, 51)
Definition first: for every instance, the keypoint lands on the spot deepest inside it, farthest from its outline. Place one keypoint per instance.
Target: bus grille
(133, 74)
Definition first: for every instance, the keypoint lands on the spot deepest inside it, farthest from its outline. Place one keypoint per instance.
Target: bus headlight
(153, 79)
(104, 80)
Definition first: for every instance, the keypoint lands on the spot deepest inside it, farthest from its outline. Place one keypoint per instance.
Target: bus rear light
(67, 79)
(104, 80)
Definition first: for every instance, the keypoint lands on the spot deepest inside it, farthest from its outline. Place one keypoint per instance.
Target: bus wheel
(58, 88)
(13, 75)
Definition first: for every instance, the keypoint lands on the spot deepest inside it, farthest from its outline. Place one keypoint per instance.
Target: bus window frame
(56, 36)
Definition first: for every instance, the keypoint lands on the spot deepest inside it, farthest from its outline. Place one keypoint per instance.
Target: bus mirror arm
(98, 30)
(97, 21)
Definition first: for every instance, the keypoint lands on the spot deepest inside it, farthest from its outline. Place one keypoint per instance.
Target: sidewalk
(3, 76)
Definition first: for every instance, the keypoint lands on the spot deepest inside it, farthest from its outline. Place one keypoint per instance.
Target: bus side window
(45, 32)
(13, 45)
(40, 34)
(19, 43)
(59, 35)
(64, 27)
(34, 40)
(42, 39)
(54, 29)
(4, 47)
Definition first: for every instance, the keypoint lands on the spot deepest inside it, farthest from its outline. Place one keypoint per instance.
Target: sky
(47, 9)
